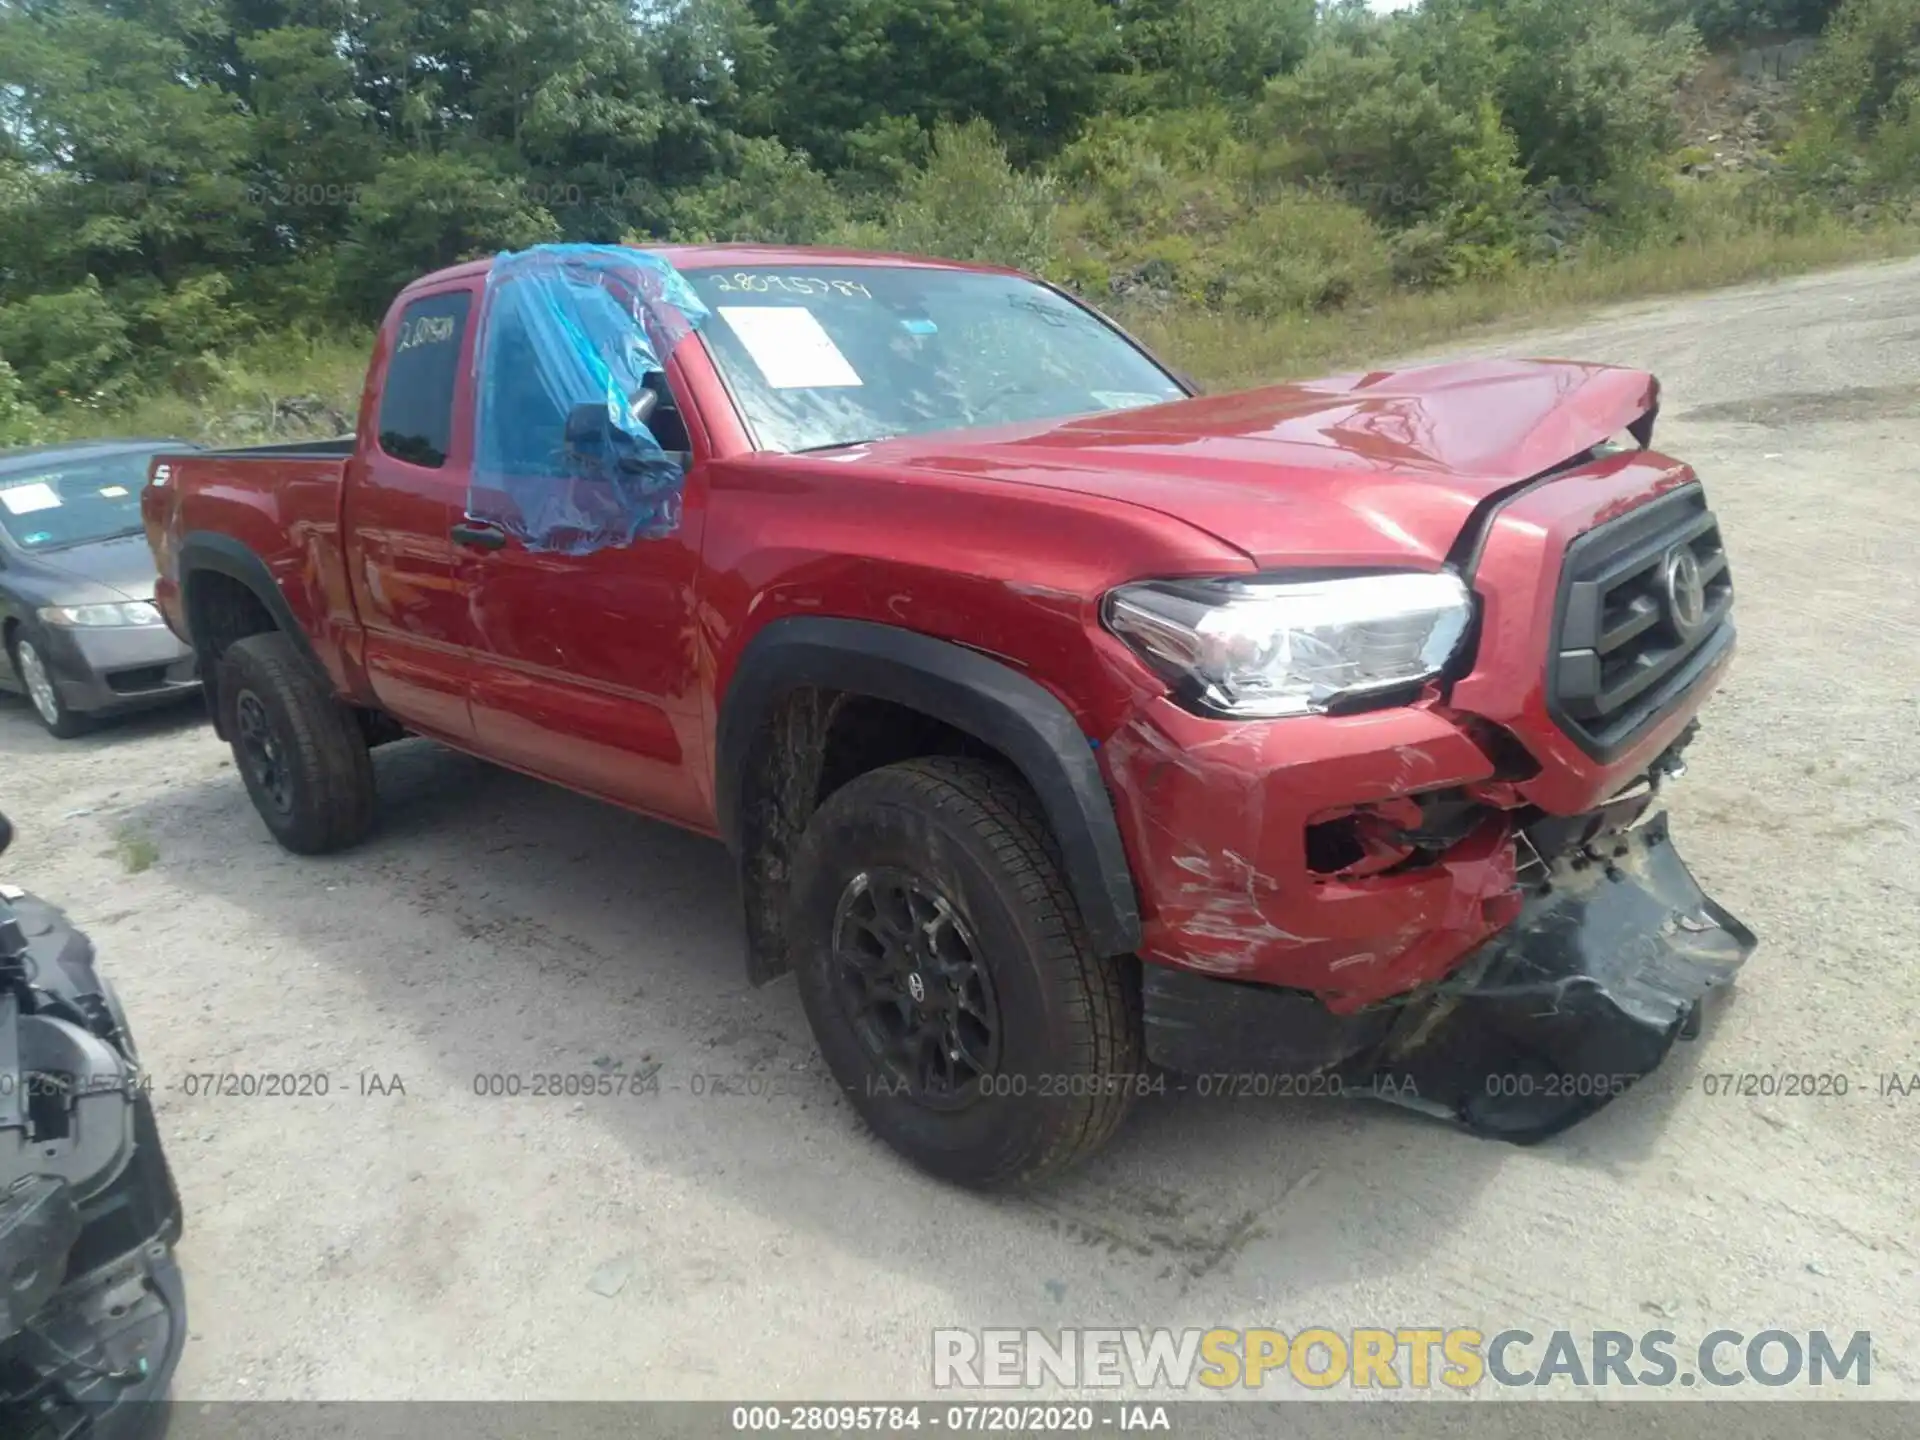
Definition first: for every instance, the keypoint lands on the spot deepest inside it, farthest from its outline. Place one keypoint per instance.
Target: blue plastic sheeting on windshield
(562, 458)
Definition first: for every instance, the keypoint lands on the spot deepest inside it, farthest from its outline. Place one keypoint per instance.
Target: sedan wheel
(41, 692)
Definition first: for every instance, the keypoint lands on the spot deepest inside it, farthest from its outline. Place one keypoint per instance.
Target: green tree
(149, 165)
(866, 81)
(1866, 74)
(1193, 52)
(1722, 21)
(424, 212)
(1589, 90)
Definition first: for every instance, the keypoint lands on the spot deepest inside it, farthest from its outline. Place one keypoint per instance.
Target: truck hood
(1366, 469)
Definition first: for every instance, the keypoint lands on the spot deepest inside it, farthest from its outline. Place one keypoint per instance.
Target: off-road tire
(328, 772)
(1070, 1050)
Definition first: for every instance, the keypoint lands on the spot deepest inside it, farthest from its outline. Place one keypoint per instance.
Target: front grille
(1646, 606)
(132, 682)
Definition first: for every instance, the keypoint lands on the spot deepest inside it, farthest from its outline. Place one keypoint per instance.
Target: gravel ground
(404, 1237)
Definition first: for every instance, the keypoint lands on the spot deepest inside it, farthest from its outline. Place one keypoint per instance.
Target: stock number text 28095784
(750, 282)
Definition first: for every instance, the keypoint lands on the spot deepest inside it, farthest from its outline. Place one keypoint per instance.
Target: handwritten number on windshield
(743, 282)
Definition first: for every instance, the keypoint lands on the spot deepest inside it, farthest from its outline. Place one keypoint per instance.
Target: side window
(416, 399)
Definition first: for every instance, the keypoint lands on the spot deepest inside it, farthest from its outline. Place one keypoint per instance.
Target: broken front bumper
(1613, 952)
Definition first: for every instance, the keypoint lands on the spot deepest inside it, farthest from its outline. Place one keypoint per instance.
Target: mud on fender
(1582, 995)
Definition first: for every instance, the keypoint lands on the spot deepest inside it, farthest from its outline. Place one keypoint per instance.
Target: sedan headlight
(134, 612)
(1269, 648)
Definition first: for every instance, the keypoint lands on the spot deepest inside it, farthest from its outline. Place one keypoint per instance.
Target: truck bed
(337, 448)
(263, 513)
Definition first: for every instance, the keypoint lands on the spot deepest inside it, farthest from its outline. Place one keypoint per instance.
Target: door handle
(479, 534)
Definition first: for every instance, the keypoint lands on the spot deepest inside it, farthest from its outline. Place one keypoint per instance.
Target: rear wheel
(42, 694)
(947, 975)
(301, 753)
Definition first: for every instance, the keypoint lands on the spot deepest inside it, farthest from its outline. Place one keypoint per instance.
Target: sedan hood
(1370, 469)
(101, 572)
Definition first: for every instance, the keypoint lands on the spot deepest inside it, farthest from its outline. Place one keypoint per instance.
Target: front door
(586, 667)
(405, 491)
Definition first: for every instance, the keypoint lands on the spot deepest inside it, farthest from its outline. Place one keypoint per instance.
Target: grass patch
(135, 850)
(1231, 351)
(283, 387)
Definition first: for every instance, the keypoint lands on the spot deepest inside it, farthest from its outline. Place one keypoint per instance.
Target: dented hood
(1376, 468)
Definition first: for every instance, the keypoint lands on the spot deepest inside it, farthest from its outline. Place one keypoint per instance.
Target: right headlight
(134, 612)
(1266, 649)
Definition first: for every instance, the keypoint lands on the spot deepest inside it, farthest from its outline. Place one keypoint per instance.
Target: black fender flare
(204, 551)
(990, 701)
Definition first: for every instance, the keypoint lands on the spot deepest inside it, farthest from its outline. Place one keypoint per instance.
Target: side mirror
(588, 429)
(6, 834)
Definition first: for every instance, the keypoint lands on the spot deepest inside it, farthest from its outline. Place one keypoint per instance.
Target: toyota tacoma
(1069, 729)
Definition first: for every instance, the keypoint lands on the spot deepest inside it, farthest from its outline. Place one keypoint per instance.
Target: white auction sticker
(790, 346)
(25, 499)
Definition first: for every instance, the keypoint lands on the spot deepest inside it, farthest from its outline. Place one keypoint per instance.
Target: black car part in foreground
(92, 1310)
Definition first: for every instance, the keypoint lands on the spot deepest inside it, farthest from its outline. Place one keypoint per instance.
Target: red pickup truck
(1076, 736)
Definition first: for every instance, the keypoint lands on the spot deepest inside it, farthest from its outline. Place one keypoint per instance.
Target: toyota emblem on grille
(1686, 591)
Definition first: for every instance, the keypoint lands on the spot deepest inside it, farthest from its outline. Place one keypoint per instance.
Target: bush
(1860, 143)
(1588, 90)
(71, 345)
(1300, 253)
(1176, 207)
(1411, 132)
(20, 423)
(1367, 126)
(774, 195)
(969, 203)
(1866, 73)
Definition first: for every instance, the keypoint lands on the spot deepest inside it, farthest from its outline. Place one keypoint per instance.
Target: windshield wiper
(844, 444)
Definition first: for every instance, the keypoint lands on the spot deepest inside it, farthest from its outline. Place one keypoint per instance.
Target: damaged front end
(92, 1312)
(1606, 964)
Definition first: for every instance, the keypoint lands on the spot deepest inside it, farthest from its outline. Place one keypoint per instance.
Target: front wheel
(300, 751)
(37, 680)
(947, 976)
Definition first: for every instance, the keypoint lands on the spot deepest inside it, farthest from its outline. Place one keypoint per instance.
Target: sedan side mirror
(6, 834)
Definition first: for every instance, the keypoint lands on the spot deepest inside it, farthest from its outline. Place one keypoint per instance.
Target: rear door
(406, 490)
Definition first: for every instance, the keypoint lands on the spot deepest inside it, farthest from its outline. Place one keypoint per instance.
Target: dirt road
(406, 1236)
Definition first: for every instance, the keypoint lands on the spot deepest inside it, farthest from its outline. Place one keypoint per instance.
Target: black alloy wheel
(910, 983)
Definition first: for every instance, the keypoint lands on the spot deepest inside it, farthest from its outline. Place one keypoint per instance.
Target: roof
(27, 456)
(695, 258)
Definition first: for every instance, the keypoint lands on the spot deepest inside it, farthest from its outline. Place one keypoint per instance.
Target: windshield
(819, 356)
(52, 505)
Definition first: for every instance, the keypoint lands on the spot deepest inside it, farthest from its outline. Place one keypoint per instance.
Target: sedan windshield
(823, 356)
(49, 505)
